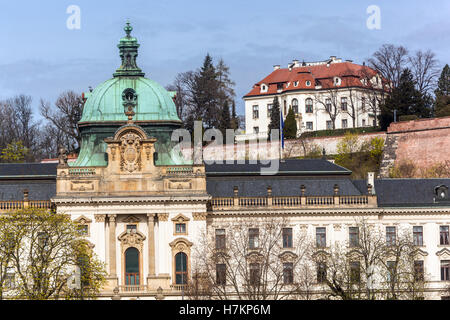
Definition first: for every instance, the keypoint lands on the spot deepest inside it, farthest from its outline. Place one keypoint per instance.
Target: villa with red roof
(330, 94)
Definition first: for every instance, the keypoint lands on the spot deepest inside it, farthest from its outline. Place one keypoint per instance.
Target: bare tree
(328, 100)
(251, 264)
(372, 265)
(65, 117)
(424, 67)
(390, 61)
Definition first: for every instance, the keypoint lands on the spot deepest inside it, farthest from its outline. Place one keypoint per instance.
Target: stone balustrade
(306, 202)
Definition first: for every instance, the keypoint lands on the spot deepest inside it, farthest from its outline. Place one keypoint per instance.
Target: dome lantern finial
(128, 28)
(128, 47)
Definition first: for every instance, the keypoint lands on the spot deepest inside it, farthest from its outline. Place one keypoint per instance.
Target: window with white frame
(309, 105)
(255, 112)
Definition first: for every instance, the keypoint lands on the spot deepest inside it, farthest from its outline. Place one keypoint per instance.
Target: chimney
(333, 58)
(296, 63)
(276, 67)
(371, 181)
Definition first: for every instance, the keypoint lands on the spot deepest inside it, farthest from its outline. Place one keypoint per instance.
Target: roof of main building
(318, 176)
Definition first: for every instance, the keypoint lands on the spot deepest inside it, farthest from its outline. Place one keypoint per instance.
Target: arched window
(309, 105)
(180, 268)
(295, 106)
(132, 266)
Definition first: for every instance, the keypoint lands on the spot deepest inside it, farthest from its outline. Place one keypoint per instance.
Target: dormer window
(308, 83)
(441, 193)
(337, 81)
(264, 88)
(295, 83)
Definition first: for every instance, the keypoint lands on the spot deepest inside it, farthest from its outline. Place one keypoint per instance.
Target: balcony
(23, 204)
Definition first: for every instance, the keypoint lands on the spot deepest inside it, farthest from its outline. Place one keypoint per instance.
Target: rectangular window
(221, 274)
(445, 270)
(309, 105)
(418, 235)
(390, 271)
(269, 110)
(83, 229)
(254, 274)
(321, 272)
(256, 130)
(287, 237)
(309, 125)
(321, 237)
(364, 122)
(180, 228)
(10, 279)
(131, 228)
(344, 103)
(220, 239)
(344, 123)
(253, 238)
(355, 269)
(418, 270)
(390, 236)
(328, 105)
(255, 112)
(443, 230)
(363, 104)
(288, 273)
(329, 125)
(353, 236)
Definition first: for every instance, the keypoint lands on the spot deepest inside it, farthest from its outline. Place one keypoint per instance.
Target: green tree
(442, 103)
(406, 100)
(47, 249)
(224, 119)
(205, 94)
(15, 152)
(290, 126)
(274, 116)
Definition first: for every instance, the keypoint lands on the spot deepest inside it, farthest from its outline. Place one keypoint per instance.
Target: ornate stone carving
(131, 239)
(199, 216)
(62, 158)
(100, 217)
(179, 184)
(130, 152)
(288, 256)
(337, 227)
(81, 186)
(112, 217)
(163, 216)
(181, 245)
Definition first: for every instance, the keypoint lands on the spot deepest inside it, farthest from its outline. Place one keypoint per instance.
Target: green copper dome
(104, 110)
(105, 103)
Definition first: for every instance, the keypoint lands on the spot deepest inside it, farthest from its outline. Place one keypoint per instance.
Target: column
(112, 245)
(151, 243)
(99, 232)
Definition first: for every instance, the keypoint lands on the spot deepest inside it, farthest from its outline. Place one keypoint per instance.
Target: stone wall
(424, 142)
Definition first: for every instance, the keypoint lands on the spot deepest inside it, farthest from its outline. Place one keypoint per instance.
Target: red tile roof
(322, 74)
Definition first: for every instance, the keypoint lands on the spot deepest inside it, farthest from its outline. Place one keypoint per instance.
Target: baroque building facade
(149, 212)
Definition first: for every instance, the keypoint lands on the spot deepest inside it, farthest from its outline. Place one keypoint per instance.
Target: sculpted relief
(130, 152)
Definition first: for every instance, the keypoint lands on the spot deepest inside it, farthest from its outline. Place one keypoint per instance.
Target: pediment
(181, 244)
(180, 218)
(82, 220)
(131, 237)
(420, 252)
(444, 253)
(131, 219)
(288, 256)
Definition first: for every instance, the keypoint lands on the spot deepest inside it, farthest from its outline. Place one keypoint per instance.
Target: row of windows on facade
(287, 242)
(321, 272)
(309, 125)
(309, 106)
(321, 237)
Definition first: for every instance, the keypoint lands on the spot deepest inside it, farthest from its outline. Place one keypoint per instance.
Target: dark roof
(286, 167)
(27, 170)
(409, 192)
(281, 186)
(37, 190)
